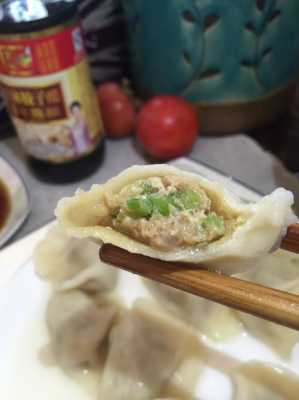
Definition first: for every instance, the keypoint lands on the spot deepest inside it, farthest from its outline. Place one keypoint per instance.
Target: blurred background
(238, 61)
(230, 69)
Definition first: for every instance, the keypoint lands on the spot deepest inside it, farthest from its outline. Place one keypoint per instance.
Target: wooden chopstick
(270, 304)
(291, 240)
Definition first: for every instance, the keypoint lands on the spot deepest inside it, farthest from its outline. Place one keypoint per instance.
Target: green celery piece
(189, 199)
(174, 201)
(140, 207)
(213, 219)
(161, 204)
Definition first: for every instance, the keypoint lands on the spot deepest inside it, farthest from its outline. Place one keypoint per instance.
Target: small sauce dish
(14, 201)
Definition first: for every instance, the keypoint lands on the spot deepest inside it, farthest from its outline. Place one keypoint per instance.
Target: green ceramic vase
(237, 60)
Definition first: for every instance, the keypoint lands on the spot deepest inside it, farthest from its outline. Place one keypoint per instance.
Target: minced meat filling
(166, 213)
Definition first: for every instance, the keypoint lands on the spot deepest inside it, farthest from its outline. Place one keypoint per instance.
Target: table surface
(236, 155)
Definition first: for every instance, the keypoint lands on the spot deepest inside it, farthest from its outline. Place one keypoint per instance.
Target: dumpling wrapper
(265, 222)
(146, 347)
(257, 380)
(58, 257)
(219, 323)
(279, 270)
(70, 263)
(77, 327)
(182, 385)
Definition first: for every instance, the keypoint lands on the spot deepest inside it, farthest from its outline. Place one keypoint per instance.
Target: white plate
(23, 333)
(19, 201)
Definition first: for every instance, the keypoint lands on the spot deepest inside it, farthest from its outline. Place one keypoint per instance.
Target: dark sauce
(4, 204)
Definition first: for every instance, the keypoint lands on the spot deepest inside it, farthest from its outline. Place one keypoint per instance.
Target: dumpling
(77, 327)
(268, 269)
(70, 263)
(58, 257)
(146, 347)
(163, 212)
(219, 322)
(261, 381)
(280, 339)
(97, 278)
(245, 389)
(182, 385)
(281, 271)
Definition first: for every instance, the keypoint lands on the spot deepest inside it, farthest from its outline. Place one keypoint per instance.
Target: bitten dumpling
(163, 212)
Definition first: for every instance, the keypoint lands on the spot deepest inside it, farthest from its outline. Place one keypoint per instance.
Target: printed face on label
(76, 111)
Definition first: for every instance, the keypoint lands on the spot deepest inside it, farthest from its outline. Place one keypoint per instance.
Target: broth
(5, 205)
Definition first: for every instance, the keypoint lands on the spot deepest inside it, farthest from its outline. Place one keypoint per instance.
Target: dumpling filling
(166, 213)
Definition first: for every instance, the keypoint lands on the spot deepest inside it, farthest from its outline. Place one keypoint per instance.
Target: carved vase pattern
(213, 51)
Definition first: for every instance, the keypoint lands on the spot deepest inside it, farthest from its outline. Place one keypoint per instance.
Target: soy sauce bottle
(48, 90)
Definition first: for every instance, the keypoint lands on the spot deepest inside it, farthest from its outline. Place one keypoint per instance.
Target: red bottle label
(42, 55)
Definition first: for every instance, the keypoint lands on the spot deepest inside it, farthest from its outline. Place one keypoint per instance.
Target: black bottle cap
(23, 16)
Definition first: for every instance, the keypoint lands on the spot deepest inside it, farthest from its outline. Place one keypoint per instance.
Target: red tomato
(117, 112)
(108, 90)
(167, 127)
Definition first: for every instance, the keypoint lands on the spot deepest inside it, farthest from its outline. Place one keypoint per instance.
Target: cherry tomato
(167, 127)
(117, 112)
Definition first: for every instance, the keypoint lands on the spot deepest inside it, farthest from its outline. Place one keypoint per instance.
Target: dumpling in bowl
(77, 327)
(163, 212)
(146, 347)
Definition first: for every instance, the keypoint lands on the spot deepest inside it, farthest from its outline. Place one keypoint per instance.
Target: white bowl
(19, 198)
